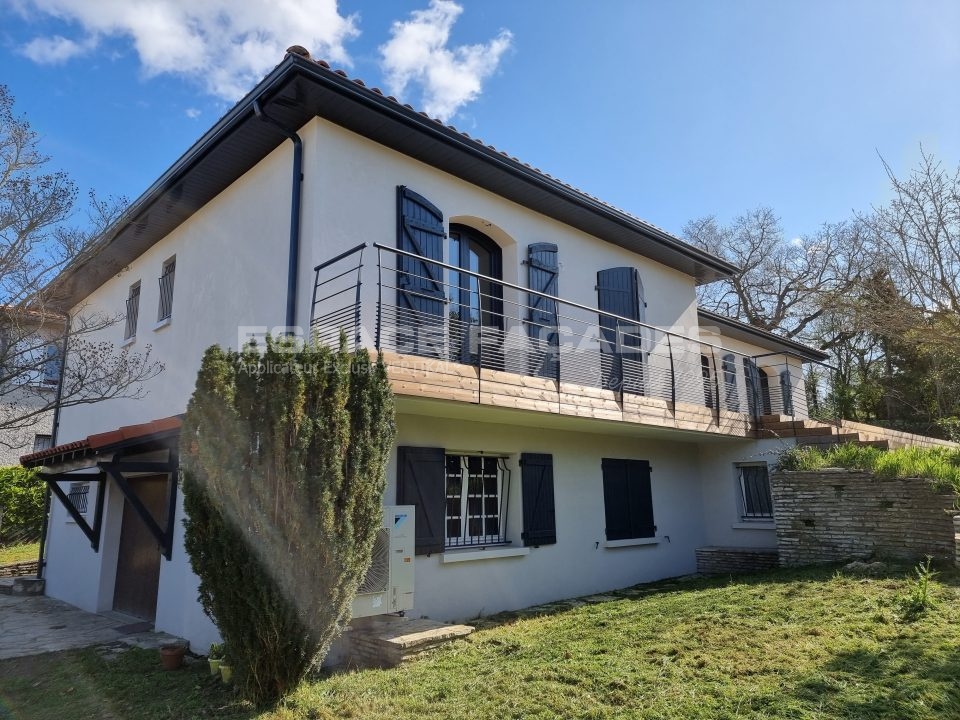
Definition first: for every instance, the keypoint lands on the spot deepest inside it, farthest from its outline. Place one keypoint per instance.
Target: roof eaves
(800, 349)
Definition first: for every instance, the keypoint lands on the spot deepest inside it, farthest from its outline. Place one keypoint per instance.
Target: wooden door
(138, 562)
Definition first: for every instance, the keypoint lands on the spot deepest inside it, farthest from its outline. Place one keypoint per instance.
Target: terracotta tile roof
(300, 51)
(100, 441)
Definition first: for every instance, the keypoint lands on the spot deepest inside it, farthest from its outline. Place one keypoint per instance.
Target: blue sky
(668, 110)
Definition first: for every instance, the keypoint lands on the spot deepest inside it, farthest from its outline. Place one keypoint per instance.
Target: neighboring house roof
(92, 444)
(299, 89)
(748, 333)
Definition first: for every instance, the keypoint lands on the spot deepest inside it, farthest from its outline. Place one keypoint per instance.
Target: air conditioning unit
(388, 585)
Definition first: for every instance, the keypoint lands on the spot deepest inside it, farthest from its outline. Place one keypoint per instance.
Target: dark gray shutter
(542, 272)
(751, 375)
(732, 393)
(421, 481)
(627, 499)
(539, 516)
(420, 288)
(707, 381)
(786, 389)
(619, 292)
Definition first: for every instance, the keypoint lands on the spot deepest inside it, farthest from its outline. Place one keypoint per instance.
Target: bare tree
(40, 238)
(785, 285)
(918, 236)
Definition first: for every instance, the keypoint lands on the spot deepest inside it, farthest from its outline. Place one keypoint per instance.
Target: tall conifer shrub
(284, 455)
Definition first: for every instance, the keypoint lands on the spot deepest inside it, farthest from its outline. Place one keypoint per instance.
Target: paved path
(30, 625)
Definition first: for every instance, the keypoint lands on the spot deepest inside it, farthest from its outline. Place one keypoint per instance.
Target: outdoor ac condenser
(388, 585)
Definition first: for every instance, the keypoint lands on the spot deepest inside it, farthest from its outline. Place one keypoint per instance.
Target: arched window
(476, 304)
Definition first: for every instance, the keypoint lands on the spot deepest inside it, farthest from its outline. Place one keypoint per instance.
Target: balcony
(455, 335)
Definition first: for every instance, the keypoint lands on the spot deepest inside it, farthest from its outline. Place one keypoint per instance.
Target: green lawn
(804, 644)
(19, 553)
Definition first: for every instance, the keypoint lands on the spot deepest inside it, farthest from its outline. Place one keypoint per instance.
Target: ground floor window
(79, 492)
(476, 492)
(756, 501)
(627, 499)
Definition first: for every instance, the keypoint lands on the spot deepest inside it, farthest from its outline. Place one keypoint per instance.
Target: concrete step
(388, 640)
(21, 586)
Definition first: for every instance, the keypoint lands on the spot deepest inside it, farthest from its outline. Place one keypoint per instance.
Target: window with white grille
(477, 488)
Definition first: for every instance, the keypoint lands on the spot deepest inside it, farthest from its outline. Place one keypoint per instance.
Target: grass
(938, 464)
(19, 553)
(789, 644)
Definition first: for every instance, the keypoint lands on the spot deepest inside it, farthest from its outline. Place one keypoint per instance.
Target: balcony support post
(673, 376)
(379, 297)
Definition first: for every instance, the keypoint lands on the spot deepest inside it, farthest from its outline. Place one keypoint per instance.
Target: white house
(569, 422)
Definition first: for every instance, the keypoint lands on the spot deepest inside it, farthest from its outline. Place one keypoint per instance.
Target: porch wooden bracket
(163, 536)
(92, 533)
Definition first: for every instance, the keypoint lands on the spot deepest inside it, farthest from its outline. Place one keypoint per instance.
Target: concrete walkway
(30, 625)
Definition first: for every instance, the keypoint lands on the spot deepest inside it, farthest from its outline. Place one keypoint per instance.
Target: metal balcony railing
(443, 313)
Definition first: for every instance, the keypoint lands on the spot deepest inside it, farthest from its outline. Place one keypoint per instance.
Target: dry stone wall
(830, 515)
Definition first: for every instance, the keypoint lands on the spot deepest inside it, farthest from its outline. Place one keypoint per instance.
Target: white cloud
(226, 45)
(192, 113)
(56, 49)
(417, 53)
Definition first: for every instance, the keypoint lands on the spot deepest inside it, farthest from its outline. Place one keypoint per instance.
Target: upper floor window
(51, 364)
(133, 310)
(166, 289)
(42, 442)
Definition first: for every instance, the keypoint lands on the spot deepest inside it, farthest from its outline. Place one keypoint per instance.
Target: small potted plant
(226, 672)
(171, 655)
(215, 658)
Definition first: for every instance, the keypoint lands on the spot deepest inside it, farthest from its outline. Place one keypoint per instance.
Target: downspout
(54, 432)
(296, 190)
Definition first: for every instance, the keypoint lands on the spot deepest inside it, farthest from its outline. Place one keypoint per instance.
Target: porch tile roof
(100, 441)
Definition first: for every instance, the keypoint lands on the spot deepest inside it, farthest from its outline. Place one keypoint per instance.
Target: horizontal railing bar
(348, 271)
(352, 288)
(341, 256)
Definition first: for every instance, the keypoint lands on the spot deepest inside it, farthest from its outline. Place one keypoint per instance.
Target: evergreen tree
(284, 456)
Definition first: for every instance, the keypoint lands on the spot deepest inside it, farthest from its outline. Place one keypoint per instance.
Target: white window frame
(77, 490)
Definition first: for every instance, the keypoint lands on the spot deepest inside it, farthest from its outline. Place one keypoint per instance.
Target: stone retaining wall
(28, 567)
(831, 515)
(734, 561)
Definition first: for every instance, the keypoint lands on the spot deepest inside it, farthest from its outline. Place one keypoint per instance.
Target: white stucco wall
(720, 492)
(578, 563)
(356, 202)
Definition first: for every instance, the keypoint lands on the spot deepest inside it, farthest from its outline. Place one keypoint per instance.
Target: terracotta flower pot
(171, 656)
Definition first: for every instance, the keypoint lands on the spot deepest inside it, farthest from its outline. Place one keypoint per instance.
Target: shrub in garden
(284, 454)
(21, 505)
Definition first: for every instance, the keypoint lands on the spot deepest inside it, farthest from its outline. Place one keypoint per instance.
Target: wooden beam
(160, 535)
(92, 533)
